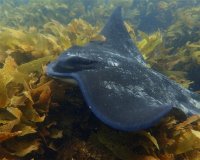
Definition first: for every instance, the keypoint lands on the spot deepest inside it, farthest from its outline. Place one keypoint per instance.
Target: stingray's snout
(73, 64)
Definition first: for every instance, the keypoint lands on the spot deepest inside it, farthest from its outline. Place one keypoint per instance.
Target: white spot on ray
(194, 102)
(132, 91)
(115, 54)
(112, 62)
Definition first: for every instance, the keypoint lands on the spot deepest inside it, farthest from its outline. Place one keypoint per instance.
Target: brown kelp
(52, 39)
(25, 92)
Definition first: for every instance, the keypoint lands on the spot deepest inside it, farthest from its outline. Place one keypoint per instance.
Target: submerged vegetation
(44, 119)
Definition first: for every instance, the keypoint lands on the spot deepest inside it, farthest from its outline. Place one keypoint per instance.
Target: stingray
(116, 83)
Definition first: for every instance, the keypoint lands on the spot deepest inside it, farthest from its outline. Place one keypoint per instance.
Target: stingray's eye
(74, 64)
(79, 61)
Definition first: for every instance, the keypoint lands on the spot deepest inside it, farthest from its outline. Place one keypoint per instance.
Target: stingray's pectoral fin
(130, 120)
(116, 105)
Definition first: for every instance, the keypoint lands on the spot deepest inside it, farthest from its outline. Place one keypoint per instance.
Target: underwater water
(45, 118)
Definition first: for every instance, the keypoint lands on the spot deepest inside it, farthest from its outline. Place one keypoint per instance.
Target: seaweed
(185, 28)
(52, 39)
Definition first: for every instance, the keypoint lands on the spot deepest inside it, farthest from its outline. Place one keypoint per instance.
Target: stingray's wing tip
(155, 119)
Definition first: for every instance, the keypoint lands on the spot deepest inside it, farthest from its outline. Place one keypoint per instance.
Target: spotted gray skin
(116, 83)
